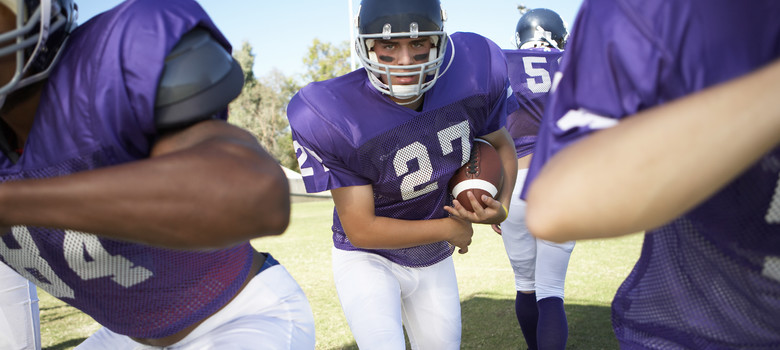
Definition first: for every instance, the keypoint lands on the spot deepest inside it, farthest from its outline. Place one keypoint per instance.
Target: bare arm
(355, 206)
(655, 166)
(494, 213)
(210, 185)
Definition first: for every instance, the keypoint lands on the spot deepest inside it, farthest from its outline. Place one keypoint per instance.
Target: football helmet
(541, 28)
(384, 20)
(42, 26)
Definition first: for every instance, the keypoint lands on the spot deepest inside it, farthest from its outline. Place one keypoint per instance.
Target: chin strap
(409, 102)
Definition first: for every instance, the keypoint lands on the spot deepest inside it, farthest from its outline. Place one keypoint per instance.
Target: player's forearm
(502, 142)
(211, 195)
(509, 160)
(389, 233)
(653, 167)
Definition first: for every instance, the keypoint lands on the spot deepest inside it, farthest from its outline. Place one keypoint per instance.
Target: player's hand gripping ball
(482, 174)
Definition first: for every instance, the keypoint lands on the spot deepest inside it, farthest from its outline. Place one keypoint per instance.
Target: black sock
(553, 329)
(527, 316)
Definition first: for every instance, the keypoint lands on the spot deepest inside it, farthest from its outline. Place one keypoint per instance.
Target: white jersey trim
(582, 118)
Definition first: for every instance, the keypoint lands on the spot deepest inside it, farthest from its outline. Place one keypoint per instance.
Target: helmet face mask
(40, 30)
(380, 20)
(541, 28)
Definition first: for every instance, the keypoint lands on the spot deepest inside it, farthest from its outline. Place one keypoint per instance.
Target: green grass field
(485, 281)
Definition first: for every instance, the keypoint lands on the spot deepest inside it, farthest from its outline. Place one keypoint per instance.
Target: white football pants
(270, 313)
(20, 327)
(538, 265)
(377, 295)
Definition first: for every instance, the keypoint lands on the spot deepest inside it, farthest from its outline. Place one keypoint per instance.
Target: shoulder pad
(199, 79)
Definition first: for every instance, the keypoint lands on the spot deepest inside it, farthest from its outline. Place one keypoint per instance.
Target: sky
(281, 31)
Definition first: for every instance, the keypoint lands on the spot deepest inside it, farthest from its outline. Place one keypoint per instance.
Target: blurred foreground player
(129, 196)
(385, 140)
(539, 266)
(624, 152)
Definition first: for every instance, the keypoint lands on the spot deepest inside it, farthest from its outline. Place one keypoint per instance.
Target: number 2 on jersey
(424, 175)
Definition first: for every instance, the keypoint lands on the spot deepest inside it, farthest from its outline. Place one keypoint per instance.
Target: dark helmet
(385, 19)
(42, 28)
(541, 27)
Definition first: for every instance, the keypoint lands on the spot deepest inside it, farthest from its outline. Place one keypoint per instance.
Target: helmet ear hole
(434, 51)
(370, 50)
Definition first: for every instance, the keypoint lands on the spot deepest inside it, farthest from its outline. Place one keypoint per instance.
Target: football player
(539, 265)
(621, 150)
(19, 317)
(385, 140)
(126, 194)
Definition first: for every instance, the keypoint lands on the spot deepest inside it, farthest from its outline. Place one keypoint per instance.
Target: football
(482, 174)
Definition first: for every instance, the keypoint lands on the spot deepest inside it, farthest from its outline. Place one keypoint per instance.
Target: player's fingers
(479, 213)
(491, 202)
(475, 203)
(458, 210)
(464, 249)
(462, 212)
(451, 210)
(496, 228)
(496, 207)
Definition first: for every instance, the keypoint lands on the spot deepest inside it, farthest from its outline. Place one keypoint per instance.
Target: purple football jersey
(97, 110)
(531, 74)
(347, 133)
(710, 279)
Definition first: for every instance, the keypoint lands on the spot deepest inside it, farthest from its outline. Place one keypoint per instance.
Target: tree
(326, 61)
(260, 108)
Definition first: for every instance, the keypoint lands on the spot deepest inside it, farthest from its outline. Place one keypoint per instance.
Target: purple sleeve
(523, 130)
(323, 151)
(598, 83)
(137, 36)
(500, 90)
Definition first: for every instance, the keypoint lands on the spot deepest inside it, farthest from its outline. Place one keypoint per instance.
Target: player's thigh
(106, 339)
(19, 316)
(518, 242)
(271, 312)
(552, 263)
(431, 306)
(370, 297)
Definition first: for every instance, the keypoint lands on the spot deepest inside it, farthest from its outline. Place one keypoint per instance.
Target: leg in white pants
(538, 265)
(19, 316)
(270, 313)
(377, 296)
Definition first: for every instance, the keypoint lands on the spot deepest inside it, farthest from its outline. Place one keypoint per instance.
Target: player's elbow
(539, 226)
(544, 221)
(271, 203)
(259, 193)
(359, 240)
(361, 235)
